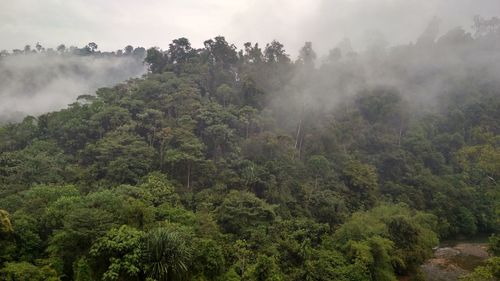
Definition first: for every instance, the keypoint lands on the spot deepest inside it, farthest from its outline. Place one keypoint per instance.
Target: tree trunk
(189, 176)
(298, 134)
(300, 145)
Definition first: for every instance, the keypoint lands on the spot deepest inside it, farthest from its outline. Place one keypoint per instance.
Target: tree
(387, 239)
(220, 53)
(5, 225)
(92, 47)
(362, 181)
(275, 53)
(39, 47)
(82, 270)
(319, 166)
(265, 269)
(326, 206)
(155, 59)
(242, 211)
(7, 243)
(180, 51)
(160, 188)
(139, 53)
(494, 245)
(484, 27)
(61, 48)
(208, 260)
(253, 54)
(188, 153)
(27, 271)
(117, 255)
(128, 50)
(307, 55)
(40, 162)
(166, 255)
(119, 157)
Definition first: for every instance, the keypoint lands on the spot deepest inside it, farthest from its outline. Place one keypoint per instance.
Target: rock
(449, 263)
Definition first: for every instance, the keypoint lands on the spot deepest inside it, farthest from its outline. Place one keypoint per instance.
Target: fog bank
(31, 84)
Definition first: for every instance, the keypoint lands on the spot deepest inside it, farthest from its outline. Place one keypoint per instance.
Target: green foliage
(488, 272)
(40, 162)
(82, 270)
(6, 226)
(494, 245)
(120, 157)
(245, 165)
(166, 255)
(24, 271)
(264, 269)
(387, 239)
(242, 211)
(161, 189)
(117, 255)
(362, 181)
(208, 260)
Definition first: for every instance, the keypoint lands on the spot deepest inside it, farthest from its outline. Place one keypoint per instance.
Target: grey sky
(114, 24)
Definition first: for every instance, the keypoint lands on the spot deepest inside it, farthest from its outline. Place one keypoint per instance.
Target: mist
(36, 83)
(434, 67)
(157, 23)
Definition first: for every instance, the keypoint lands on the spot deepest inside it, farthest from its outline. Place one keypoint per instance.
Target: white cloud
(114, 24)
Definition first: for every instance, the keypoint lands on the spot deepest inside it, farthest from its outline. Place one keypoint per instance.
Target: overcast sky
(115, 24)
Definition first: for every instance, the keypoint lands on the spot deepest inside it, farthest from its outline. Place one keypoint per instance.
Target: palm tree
(166, 255)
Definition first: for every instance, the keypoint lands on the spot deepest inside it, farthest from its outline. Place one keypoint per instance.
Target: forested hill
(227, 164)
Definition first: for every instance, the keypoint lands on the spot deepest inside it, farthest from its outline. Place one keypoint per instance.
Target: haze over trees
(35, 80)
(247, 164)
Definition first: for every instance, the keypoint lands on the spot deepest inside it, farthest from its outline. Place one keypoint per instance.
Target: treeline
(89, 49)
(227, 164)
(36, 81)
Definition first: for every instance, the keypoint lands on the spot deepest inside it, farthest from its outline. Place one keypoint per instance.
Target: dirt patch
(449, 263)
(476, 250)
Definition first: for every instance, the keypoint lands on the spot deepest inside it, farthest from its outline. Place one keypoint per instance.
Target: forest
(230, 164)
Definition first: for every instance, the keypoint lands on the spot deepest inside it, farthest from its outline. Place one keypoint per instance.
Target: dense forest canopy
(246, 164)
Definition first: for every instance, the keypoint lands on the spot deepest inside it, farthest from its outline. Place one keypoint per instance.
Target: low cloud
(31, 84)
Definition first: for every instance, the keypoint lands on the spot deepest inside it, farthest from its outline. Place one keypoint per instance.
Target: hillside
(227, 164)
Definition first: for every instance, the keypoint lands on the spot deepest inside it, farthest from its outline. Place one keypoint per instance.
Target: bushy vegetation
(211, 168)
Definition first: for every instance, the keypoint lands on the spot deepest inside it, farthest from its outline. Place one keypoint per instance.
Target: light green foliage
(5, 224)
(480, 162)
(494, 245)
(488, 272)
(117, 255)
(161, 190)
(7, 245)
(82, 270)
(387, 239)
(24, 271)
